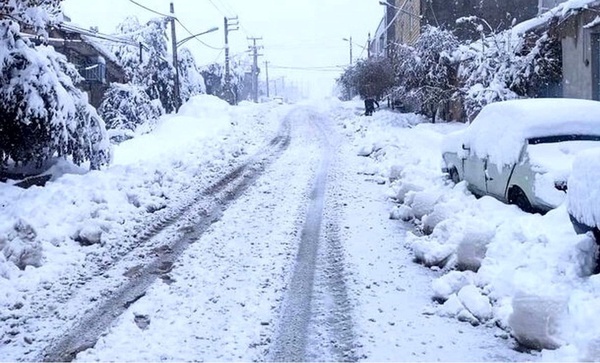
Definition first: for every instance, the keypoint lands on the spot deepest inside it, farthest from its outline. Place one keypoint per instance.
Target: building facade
(580, 41)
(405, 18)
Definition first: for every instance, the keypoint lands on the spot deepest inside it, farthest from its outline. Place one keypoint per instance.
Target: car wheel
(517, 197)
(453, 175)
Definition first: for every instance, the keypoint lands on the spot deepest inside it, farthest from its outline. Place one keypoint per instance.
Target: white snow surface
(584, 188)
(484, 264)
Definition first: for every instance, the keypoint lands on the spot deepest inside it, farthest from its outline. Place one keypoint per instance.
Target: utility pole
(369, 47)
(255, 56)
(350, 50)
(233, 23)
(267, 74)
(175, 59)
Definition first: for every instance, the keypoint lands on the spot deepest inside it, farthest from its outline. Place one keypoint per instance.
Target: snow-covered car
(521, 151)
(584, 193)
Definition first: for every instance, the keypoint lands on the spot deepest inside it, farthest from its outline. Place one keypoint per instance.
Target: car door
(474, 169)
(496, 179)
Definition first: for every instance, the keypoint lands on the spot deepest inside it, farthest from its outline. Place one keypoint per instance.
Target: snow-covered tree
(191, 81)
(42, 113)
(369, 78)
(425, 71)
(125, 108)
(36, 14)
(157, 74)
(504, 66)
(213, 75)
(127, 55)
(153, 72)
(214, 78)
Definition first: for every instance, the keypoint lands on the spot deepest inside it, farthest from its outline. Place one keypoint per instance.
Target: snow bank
(584, 188)
(497, 263)
(200, 118)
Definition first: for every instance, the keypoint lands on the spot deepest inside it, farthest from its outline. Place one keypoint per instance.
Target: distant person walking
(370, 103)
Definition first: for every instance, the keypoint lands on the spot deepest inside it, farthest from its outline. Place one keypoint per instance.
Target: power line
(317, 69)
(151, 10)
(218, 8)
(228, 7)
(192, 34)
(98, 35)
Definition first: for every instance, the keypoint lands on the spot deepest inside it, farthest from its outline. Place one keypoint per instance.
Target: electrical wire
(179, 21)
(151, 10)
(227, 7)
(192, 34)
(218, 8)
(93, 34)
(334, 68)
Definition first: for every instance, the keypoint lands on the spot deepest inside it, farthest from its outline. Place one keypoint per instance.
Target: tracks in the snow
(184, 227)
(315, 322)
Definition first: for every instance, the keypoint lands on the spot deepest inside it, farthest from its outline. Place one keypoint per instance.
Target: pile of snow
(584, 188)
(528, 273)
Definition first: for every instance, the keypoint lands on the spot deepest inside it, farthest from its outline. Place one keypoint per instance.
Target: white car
(521, 151)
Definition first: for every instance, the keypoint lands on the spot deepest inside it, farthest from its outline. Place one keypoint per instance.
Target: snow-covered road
(304, 266)
(288, 255)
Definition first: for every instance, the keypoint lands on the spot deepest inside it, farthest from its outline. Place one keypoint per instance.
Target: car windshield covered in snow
(521, 151)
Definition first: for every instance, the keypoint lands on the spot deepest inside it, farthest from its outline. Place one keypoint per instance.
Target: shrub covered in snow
(125, 107)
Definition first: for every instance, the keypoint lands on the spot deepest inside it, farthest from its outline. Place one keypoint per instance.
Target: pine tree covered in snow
(42, 113)
(191, 81)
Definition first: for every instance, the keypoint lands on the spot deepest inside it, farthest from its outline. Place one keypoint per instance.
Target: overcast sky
(296, 33)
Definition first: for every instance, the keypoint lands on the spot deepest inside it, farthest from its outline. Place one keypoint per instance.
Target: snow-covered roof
(501, 128)
(562, 10)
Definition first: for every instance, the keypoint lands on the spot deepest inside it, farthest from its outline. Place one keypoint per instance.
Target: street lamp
(349, 42)
(213, 29)
(401, 9)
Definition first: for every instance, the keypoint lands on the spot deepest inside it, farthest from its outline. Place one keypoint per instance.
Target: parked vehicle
(584, 193)
(521, 151)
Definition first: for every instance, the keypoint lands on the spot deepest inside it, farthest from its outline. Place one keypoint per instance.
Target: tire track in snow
(315, 317)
